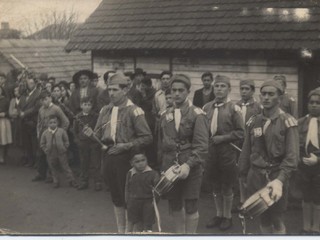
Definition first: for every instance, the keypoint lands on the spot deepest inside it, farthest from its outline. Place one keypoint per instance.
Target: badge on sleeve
(257, 132)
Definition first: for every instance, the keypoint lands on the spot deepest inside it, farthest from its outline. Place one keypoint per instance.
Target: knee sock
(316, 218)
(179, 221)
(192, 222)
(219, 204)
(227, 205)
(120, 214)
(307, 215)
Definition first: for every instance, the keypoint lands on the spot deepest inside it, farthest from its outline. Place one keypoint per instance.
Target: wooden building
(243, 39)
(42, 56)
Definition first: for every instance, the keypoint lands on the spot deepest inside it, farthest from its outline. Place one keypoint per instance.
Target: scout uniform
(121, 124)
(269, 152)
(309, 176)
(183, 138)
(225, 120)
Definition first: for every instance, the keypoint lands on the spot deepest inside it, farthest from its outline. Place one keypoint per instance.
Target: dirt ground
(28, 207)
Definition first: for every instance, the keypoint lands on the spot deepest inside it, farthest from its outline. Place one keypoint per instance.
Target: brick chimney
(5, 25)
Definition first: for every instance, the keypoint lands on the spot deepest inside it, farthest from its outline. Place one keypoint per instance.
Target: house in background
(42, 56)
(243, 39)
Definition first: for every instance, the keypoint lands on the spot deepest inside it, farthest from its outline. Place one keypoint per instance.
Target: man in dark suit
(205, 94)
(83, 89)
(30, 104)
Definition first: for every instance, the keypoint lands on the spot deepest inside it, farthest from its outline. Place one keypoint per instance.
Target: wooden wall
(237, 69)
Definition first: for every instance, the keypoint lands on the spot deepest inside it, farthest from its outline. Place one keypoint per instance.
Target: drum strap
(156, 210)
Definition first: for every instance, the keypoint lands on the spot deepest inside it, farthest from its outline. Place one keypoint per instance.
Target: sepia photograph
(159, 117)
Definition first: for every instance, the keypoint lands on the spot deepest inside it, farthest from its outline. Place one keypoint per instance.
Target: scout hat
(272, 83)
(223, 79)
(314, 92)
(181, 78)
(247, 82)
(118, 79)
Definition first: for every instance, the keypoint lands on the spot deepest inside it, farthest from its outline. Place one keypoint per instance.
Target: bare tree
(55, 25)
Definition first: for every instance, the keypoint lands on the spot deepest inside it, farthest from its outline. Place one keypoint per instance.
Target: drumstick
(235, 147)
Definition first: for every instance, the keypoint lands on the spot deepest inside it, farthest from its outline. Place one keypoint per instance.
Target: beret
(181, 78)
(223, 79)
(247, 82)
(314, 92)
(117, 79)
(272, 83)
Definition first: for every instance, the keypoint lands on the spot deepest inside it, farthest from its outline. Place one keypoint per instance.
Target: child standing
(89, 150)
(5, 126)
(54, 142)
(138, 191)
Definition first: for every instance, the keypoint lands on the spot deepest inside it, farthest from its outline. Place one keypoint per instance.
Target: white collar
(52, 131)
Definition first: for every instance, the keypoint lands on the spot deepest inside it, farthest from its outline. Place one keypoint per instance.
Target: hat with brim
(76, 76)
(139, 71)
(272, 83)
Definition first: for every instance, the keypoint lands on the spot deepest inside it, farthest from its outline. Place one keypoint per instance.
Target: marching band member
(269, 155)
(122, 126)
(183, 138)
(226, 126)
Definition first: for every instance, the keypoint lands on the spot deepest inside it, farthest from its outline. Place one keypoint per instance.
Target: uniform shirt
(45, 113)
(230, 123)
(192, 137)
(253, 108)
(131, 125)
(82, 119)
(303, 126)
(139, 185)
(278, 146)
(288, 105)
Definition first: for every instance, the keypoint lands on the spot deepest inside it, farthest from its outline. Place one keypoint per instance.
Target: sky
(22, 13)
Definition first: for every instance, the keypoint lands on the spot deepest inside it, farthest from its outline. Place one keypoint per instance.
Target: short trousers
(141, 210)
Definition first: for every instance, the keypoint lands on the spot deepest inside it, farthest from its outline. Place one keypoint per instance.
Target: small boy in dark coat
(138, 191)
(89, 150)
(54, 142)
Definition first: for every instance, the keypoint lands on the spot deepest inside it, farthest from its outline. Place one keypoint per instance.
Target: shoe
(73, 184)
(48, 180)
(225, 224)
(82, 186)
(37, 178)
(56, 185)
(214, 222)
(98, 187)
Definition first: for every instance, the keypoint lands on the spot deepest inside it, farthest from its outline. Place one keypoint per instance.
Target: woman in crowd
(5, 126)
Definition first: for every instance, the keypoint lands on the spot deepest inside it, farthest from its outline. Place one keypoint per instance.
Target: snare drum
(167, 180)
(257, 203)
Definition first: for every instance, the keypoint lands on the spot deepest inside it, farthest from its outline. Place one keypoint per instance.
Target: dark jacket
(56, 143)
(198, 98)
(30, 106)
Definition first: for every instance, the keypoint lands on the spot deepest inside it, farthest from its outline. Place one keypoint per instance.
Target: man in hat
(122, 126)
(134, 94)
(309, 164)
(287, 103)
(270, 154)
(226, 127)
(206, 94)
(183, 139)
(84, 89)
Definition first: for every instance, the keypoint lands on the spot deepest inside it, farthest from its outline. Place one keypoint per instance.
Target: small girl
(5, 126)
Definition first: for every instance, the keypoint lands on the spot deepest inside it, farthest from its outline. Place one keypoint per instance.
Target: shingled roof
(200, 24)
(44, 56)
